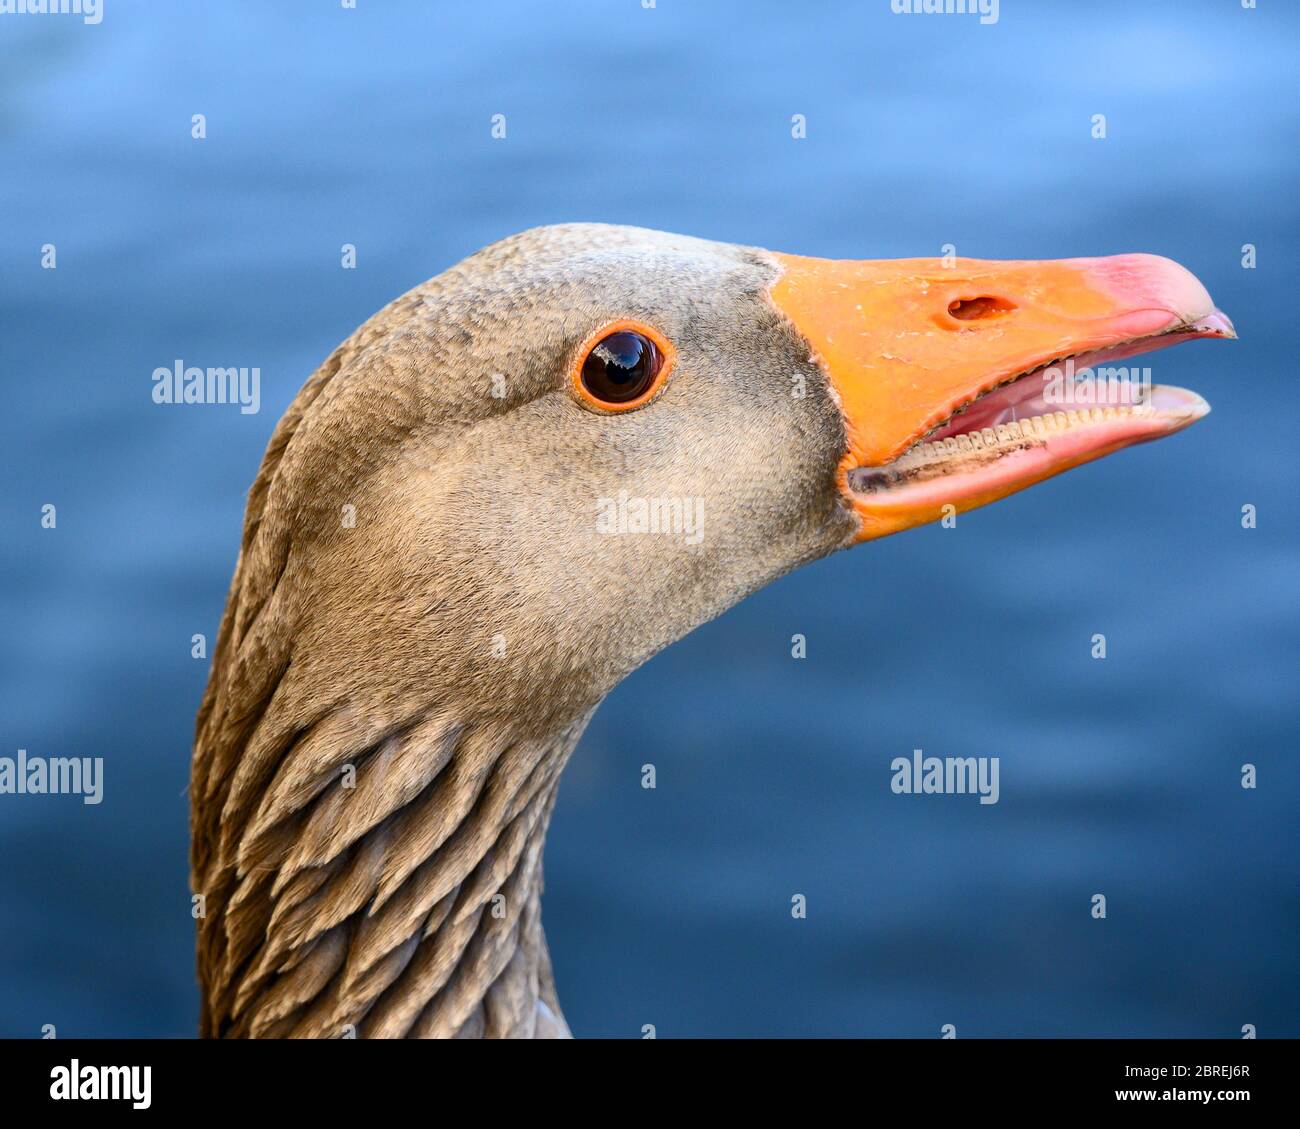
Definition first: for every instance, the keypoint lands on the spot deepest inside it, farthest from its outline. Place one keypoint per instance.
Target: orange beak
(963, 383)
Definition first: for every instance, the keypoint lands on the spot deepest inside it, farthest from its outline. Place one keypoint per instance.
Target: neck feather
(401, 899)
(366, 828)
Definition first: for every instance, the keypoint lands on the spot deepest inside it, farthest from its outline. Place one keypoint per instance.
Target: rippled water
(671, 907)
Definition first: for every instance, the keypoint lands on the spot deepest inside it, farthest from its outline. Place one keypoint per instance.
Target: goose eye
(622, 367)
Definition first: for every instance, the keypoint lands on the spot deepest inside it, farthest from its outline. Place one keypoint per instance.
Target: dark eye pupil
(621, 367)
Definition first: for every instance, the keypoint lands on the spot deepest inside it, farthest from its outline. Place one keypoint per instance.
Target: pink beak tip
(1214, 324)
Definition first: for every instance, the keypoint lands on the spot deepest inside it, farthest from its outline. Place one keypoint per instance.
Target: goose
(472, 522)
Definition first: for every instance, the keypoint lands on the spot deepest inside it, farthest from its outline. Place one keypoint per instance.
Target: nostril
(985, 306)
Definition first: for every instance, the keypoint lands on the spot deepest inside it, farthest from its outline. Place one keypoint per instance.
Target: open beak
(963, 383)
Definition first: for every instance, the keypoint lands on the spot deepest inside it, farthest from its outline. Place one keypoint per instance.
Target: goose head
(518, 482)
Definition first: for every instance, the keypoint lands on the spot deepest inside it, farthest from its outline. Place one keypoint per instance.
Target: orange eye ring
(591, 383)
